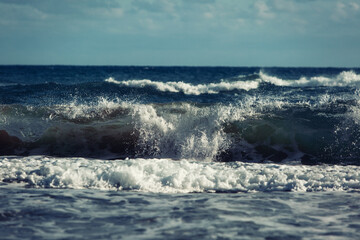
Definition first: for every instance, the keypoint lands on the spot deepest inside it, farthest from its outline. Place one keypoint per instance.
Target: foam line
(187, 88)
(168, 176)
(345, 78)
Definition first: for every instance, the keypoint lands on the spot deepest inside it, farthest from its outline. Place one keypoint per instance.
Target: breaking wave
(253, 129)
(187, 88)
(343, 79)
(253, 81)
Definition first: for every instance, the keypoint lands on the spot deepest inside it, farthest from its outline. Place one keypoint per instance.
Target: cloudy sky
(181, 32)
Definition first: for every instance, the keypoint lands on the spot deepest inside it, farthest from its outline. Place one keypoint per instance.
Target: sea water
(179, 153)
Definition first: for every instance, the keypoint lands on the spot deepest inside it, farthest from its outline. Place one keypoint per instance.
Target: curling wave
(252, 129)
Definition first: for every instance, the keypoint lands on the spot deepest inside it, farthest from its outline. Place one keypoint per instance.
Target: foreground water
(28, 213)
(76, 198)
(179, 153)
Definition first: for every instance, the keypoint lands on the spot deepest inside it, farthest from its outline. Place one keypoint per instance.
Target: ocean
(130, 152)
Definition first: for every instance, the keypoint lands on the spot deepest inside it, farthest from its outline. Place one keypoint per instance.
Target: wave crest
(187, 88)
(345, 78)
(253, 81)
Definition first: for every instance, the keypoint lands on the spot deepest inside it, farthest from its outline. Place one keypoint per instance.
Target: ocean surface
(113, 152)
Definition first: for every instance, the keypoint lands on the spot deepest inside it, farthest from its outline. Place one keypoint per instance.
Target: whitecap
(187, 88)
(169, 176)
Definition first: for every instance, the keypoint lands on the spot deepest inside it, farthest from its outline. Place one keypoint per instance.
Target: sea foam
(169, 176)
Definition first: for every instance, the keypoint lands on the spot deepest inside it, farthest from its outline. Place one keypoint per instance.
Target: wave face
(166, 176)
(253, 129)
(288, 115)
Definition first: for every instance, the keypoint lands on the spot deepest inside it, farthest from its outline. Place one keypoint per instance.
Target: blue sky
(317, 33)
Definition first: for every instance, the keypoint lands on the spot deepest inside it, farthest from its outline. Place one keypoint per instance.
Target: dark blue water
(56, 84)
(179, 152)
(79, 214)
(233, 114)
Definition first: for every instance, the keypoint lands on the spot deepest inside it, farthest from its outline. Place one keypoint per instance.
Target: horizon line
(189, 66)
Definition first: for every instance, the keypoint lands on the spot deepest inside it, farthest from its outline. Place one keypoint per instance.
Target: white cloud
(118, 12)
(208, 15)
(158, 6)
(20, 12)
(355, 6)
(105, 12)
(345, 10)
(263, 10)
(285, 5)
(149, 24)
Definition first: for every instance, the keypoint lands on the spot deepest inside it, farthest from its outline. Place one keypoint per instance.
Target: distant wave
(345, 78)
(168, 176)
(187, 88)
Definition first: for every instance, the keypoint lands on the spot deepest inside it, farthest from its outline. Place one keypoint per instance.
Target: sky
(288, 33)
